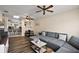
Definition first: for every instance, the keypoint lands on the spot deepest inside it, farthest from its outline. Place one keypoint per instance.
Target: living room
(66, 22)
(63, 19)
(18, 45)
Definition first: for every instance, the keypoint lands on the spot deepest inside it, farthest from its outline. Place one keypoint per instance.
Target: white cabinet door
(2, 48)
(6, 46)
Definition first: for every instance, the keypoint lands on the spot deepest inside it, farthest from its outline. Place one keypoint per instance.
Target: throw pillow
(62, 37)
(43, 33)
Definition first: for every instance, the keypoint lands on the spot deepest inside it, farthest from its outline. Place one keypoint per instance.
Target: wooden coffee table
(39, 47)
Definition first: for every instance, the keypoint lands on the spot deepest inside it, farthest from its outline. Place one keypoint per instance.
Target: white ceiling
(31, 9)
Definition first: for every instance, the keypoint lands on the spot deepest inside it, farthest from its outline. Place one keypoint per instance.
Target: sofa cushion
(53, 46)
(74, 41)
(66, 50)
(52, 34)
(68, 46)
(46, 38)
(57, 42)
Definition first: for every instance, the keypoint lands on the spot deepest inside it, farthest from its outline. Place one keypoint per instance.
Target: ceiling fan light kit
(44, 9)
(29, 18)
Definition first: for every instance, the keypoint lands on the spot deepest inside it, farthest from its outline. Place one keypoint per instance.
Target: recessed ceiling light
(16, 17)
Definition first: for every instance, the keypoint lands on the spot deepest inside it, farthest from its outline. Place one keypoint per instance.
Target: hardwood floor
(19, 45)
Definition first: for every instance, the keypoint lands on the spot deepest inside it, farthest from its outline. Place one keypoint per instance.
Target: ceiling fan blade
(49, 6)
(49, 10)
(43, 12)
(39, 7)
(5, 11)
(39, 11)
(44, 6)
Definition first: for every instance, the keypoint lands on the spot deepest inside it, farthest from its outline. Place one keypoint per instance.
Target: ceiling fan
(44, 9)
(27, 17)
(4, 12)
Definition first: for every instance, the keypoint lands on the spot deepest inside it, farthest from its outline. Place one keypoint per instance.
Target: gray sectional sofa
(58, 45)
(72, 46)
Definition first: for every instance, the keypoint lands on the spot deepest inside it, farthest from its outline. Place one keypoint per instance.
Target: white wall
(5, 20)
(0, 17)
(1, 20)
(6, 24)
(67, 22)
(23, 27)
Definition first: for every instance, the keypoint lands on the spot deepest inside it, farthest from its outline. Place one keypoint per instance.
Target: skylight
(16, 16)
